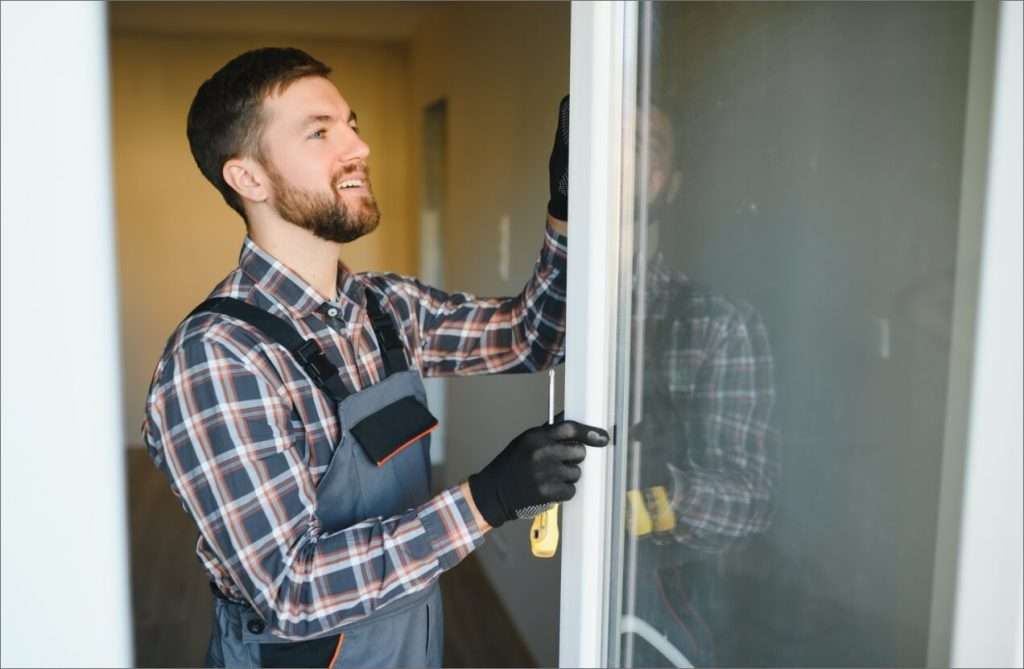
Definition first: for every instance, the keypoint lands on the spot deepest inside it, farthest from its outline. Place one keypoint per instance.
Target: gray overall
(407, 632)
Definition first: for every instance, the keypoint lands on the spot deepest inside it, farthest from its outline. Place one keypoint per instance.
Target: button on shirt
(244, 436)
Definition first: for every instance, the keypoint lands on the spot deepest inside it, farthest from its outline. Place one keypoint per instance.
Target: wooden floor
(173, 605)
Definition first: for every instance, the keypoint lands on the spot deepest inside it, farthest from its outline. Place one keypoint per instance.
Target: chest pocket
(359, 485)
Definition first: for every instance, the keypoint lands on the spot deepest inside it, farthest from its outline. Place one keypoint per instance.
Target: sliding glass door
(798, 243)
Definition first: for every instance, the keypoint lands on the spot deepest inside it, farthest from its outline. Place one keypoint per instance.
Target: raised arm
(462, 334)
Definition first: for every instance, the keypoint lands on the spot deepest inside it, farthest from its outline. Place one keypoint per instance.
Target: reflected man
(709, 462)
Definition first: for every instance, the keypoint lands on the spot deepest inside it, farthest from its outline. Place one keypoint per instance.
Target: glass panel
(785, 343)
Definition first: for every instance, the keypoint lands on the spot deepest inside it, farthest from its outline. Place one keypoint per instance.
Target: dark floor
(172, 602)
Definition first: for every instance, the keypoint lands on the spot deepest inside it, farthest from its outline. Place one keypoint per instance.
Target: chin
(355, 231)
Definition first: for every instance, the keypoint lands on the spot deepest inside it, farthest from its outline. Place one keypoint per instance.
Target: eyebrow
(327, 118)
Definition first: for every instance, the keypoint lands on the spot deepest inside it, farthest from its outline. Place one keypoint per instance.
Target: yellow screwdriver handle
(544, 533)
(638, 519)
(544, 529)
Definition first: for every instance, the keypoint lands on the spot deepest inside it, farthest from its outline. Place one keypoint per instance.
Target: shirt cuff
(553, 253)
(554, 240)
(451, 527)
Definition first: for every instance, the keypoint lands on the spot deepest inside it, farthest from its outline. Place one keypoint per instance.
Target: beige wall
(503, 69)
(176, 236)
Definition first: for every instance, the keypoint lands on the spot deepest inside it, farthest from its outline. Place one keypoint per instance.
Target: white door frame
(988, 602)
(66, 597)
(602, 74)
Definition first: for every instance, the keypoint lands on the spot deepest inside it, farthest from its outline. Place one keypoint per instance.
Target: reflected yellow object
(544, 533)
(638, 520)
(660, 509)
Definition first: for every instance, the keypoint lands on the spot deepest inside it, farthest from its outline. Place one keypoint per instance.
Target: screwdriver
(544, 530)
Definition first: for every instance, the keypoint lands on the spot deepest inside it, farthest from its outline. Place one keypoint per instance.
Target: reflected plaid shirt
(244, 436)
(708, 401)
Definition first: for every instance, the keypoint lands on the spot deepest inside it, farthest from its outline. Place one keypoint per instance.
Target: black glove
(539, 467)
(558, 166)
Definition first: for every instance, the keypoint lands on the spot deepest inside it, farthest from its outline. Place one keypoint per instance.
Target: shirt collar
(291, 290)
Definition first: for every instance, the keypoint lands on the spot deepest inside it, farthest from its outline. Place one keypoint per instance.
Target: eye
(319, 134)
(355, 127)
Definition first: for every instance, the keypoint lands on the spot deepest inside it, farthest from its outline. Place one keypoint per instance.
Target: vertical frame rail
(987, 609)
(602, 69)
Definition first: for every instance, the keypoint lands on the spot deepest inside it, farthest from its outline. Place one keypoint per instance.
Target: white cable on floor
(632, 624)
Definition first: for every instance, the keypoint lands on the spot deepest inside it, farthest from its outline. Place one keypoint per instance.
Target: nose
(353, 147)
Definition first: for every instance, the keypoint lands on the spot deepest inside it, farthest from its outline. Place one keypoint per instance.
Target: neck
(312, 258)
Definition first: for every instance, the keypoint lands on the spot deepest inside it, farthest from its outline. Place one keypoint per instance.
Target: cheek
(308, 171)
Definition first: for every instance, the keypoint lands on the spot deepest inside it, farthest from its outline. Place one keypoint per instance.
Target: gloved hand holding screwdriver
(539, 467)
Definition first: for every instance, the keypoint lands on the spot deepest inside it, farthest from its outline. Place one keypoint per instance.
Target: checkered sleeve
(461, 334)
(726, 492)
(219, 423)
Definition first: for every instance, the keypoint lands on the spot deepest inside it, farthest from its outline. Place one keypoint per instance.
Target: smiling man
(288, 410)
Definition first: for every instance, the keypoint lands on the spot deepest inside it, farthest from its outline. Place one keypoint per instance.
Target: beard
(327, 217)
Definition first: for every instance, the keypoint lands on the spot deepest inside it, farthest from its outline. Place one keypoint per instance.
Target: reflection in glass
(705, 450)
(789, 326)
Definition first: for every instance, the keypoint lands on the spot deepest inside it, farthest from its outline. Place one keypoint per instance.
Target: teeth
(351, 183)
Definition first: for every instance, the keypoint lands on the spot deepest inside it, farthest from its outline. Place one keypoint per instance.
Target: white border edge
(597, 57)
(987, 615)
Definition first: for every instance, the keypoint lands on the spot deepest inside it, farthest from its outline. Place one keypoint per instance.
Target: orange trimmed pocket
(388, 431)
(337, 651)
(408, 443)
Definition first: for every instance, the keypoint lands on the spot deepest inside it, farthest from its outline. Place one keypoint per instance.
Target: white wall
(64, 553)
(503, 68)
(987, 622)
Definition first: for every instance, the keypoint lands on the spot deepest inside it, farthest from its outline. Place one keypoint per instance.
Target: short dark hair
(225, 120)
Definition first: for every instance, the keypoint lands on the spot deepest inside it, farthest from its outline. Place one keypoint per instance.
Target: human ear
(246, 178)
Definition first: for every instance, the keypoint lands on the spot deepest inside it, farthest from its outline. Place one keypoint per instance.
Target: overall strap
(306, 352)
(391, 348)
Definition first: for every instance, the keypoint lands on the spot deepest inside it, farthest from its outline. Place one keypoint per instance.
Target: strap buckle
(315, 362)
(386, 333)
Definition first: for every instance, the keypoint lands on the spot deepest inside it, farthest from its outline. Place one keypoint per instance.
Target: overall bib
(374, 472)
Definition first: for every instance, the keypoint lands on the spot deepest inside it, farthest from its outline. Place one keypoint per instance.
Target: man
(706, 434)
(288, 411)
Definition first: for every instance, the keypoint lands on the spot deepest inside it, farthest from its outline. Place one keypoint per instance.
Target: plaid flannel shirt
(715, 444)
(244, 436)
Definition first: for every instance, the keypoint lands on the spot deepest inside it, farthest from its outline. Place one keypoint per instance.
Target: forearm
(333, 579)
(462, 334)
(303, 581)
(715, 508)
